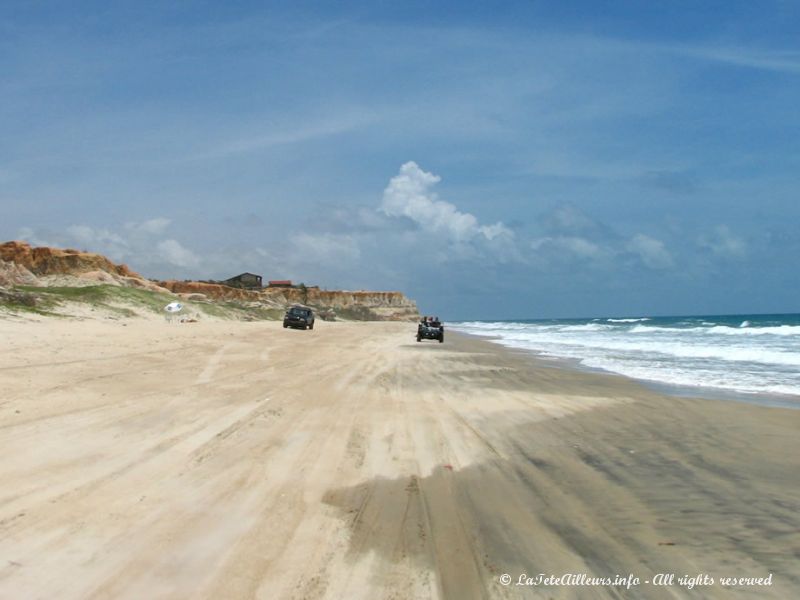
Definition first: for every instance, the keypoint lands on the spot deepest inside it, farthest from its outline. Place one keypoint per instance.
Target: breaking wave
(753, 355)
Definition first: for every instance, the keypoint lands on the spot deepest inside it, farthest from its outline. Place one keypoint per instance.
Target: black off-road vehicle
(299, 317)
(430, 329)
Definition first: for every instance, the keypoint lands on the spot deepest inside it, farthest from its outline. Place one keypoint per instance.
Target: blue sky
(511, 160)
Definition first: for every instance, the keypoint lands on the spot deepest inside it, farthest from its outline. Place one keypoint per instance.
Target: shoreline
(242, 460)
(669, 389)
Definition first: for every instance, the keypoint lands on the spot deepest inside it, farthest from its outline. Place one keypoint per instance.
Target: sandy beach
(241, 460)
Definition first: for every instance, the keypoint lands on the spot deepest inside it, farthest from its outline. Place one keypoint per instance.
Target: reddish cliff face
(213, 291)
(54, 261)
(366, 305)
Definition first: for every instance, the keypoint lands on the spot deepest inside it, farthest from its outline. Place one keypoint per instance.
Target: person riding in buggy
(430, 328)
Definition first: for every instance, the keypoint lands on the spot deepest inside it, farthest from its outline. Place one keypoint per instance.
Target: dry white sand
(242, 460)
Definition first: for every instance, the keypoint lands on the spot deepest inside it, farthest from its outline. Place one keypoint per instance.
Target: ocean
(754, 357)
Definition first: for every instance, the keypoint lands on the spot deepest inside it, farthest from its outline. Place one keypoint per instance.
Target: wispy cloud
(574, 247)
(283, 136)
(782, 61)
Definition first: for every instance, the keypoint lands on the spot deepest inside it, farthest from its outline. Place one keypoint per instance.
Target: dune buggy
(430, 329)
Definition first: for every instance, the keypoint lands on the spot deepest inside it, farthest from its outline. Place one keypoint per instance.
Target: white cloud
(409, 194)
(651, 251)
(138, 244)
(784, 61)
(721, 242)
(27, 234)
(101, 240)
(304, 131)
(577, 247)
(151, 226)
(569, 218)
(172, 252)
(326, 248)
(104, 240)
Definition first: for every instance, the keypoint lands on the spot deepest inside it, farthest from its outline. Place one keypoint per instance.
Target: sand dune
(242, 460)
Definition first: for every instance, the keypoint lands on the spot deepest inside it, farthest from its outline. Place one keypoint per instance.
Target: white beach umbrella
(173, 307)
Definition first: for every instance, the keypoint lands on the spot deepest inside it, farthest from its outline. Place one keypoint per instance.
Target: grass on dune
(125, 302)
(108, 297)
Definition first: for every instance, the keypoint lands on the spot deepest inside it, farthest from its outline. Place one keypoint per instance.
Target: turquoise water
(745, 355)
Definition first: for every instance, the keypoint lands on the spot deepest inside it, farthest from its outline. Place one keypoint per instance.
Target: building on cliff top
(245, 280)
(286, 283)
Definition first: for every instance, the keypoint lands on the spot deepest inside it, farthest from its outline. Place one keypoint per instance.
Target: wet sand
(242, 460)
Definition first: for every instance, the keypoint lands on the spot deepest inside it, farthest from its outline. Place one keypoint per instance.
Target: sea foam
(757, 354)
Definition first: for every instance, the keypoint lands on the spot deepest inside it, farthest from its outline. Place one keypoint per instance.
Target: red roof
(280, 282)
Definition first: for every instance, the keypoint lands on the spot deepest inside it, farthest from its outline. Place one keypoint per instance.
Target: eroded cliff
(44, 260)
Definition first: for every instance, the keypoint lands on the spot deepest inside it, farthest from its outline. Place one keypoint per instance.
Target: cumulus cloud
(99, 240)
(721, 242)
(151, 226)
(410, 194)
(568, 218)
(34, 238)
(89, 235)
(140, 244)
(326, 248)
(172, 252)
(573, 236)
(651, 251)
(576, 247)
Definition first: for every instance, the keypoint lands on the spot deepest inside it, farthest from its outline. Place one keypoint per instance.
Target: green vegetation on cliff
(122, 302)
